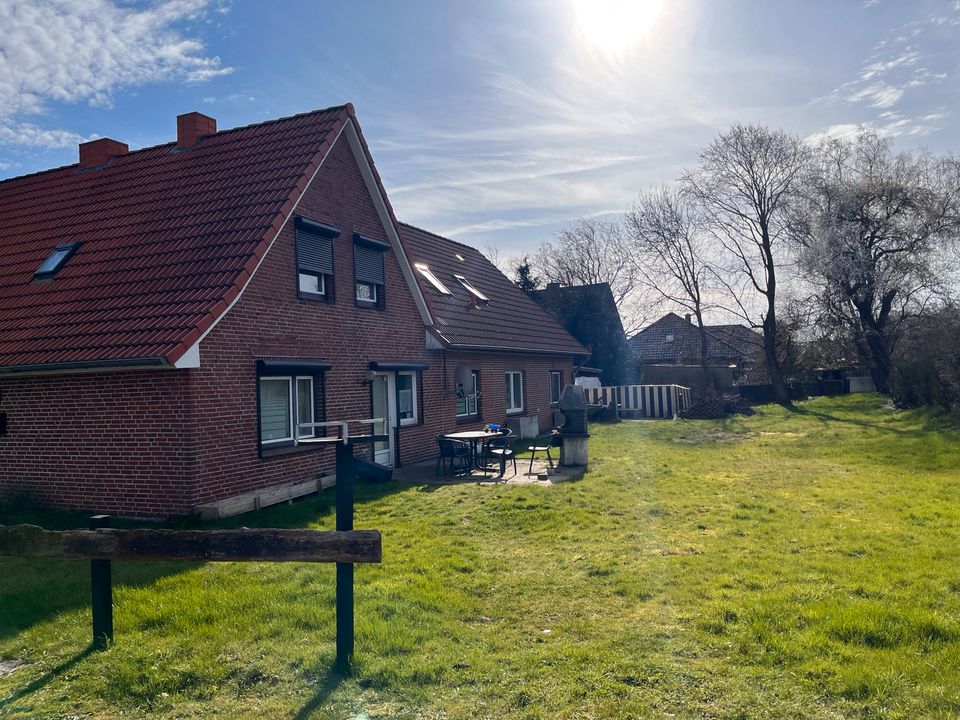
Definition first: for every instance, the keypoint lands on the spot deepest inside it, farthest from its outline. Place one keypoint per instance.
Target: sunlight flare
(615, 26)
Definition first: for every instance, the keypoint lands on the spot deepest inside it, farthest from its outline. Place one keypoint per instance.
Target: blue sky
(499, 122)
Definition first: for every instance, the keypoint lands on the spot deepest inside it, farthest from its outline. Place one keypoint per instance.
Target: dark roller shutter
(368, 265)
(314, 253)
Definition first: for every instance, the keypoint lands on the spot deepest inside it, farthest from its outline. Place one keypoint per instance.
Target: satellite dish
(463, 375)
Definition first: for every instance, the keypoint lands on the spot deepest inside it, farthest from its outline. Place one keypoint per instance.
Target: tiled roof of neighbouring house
(725, 343)
(168, 237)
(510, 320)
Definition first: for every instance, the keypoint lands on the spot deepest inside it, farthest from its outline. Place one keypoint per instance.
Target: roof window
(471, 289)
(56, 260)
(432, 279)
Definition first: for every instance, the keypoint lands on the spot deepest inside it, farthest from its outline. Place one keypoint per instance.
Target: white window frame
(432, 279)
(512, 406)
(292, 403)
(559, 376)
(374, 288)
(413, 390)
(467, 397)
(471, 289)
(309, 432)
(290, 407)
(322, 292)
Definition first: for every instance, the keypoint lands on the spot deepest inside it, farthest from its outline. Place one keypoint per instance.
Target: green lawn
(787, 565)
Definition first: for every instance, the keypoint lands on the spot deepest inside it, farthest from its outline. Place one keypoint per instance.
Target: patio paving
(425, 473)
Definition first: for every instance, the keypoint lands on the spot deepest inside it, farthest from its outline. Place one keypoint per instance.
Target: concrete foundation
(574, 450)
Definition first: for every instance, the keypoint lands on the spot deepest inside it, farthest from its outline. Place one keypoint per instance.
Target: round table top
(472, 435)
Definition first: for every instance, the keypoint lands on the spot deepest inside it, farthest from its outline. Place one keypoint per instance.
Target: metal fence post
(101, 590)
(344, 604)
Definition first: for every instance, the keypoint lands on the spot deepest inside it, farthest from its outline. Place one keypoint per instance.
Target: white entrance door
(384, 406)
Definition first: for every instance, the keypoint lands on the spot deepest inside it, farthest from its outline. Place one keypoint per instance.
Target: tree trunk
(875, 340)
(880, 365)
(780, 392)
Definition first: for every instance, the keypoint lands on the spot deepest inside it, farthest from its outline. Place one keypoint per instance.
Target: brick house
(668, 351)
(501, 356)
(169, 316)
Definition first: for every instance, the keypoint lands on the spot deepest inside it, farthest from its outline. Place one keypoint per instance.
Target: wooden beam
(244, 545)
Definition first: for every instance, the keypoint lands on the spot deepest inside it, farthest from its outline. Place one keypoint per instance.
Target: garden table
(474, 438)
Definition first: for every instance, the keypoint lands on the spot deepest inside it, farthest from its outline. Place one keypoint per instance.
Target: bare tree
(504, 263)
(745, 182)
(668, 249)
(872, 231)
(590, 252)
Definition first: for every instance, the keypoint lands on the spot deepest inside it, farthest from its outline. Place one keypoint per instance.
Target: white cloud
(238, 97)
(893, 125)
(878, 95)
(30, 135)
(71, 51)
(904, 62)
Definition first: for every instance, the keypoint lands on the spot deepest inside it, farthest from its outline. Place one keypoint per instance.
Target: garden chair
(543, 443)
(499, 448)
(454, 453)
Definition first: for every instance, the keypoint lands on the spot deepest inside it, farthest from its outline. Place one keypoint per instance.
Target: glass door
(383, 395)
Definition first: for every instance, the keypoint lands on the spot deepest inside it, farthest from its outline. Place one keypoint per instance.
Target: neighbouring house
(589, 313)
(170, 317)
(487, 331)
(669, 352)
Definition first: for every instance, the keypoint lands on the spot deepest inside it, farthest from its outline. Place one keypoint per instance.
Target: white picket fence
(652, 401)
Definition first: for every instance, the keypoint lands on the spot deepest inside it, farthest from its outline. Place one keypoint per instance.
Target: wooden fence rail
(245, 545)
(102, 544)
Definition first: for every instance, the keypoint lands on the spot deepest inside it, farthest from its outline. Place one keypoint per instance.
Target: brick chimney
(689, 317)
(97, 152)
(193, 126)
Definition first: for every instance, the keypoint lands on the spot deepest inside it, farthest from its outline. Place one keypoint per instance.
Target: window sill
(467, 419)
(518, 411)
(314, 297)
(284, 450)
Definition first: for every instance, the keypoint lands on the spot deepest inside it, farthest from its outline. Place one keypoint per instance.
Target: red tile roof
(169, 238)
(510, 320)
(725, 343)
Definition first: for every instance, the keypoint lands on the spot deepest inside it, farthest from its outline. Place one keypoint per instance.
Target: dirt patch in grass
(719, 436)
(8, 667)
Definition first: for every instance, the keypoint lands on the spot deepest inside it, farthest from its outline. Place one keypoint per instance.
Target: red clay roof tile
(509, 320)
(169, 237)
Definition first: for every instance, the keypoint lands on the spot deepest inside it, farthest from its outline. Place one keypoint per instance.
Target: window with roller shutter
(368, 271)
(314, 248)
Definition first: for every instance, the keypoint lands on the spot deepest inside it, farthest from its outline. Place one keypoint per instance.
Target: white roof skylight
(432, 279)
(471, 289)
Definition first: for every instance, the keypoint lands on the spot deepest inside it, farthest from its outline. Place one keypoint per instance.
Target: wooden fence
(102, 544)
(650, 401)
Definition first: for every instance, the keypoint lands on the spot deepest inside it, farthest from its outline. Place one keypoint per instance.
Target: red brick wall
(347, 336)
(160, 442)
(491, 369)
(340, 332)
(115, 442)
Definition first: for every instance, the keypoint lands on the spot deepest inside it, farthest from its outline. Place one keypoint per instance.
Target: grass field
(787, 565)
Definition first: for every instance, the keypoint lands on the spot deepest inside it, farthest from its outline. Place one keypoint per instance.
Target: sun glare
(615, 26)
